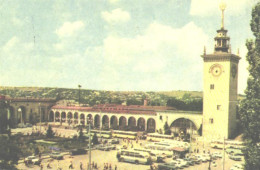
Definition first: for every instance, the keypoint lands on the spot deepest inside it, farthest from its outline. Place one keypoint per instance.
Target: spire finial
(222, 7)
(204, 50)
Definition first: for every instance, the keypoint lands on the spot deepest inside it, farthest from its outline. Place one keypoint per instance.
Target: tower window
(218, 107)
(211, 121)
(211, 86)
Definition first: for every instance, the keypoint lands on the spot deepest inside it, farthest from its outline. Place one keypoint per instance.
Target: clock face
(216, 70)
(234, 70)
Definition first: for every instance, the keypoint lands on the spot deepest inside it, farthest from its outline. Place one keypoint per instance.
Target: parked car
(216, 155)
(21, 125)
(105, 147)
(235, 157)
(28, 125)
(113, 141)
(56, 155)
(190, 161)
(78, 152)
(32, 160)
(167, 166)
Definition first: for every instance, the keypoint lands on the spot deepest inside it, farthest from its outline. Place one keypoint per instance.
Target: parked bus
(158, 137)
(102, 133)
(219, 144)
(162, 149)
(124, 134)
(133, 156)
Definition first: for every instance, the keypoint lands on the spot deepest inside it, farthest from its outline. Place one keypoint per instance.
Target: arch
(105, 122)
(122, 122)
(21, 114)
(69, 118)
(82, 119)
(183, 126)
(63, 116)
(57, 116)
(97, 121)
(76, 118)
(151, 125)
(113, 122)
(51, 116)
(89, 116)
(141, 124)
(132, 124)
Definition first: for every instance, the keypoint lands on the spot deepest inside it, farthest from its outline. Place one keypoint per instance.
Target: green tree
(81, 135)
(249, 111)
(3, 117)
(9, 153)
(95, 139)
(50, 133)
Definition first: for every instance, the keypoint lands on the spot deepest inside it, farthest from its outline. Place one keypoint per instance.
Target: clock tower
(220, 87)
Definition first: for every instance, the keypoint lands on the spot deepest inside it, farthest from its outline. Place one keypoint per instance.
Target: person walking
(115, 167)
(71, 165)
(81, 166)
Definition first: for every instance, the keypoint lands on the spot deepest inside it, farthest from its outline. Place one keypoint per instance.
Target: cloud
(69, 28)
(207, 8)
(115, 16)
(10, 44)
(161, 54)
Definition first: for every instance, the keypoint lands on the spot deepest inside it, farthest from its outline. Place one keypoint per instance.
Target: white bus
(219, 144)
(162, 149)
(102, 133)
(133, 156)
(124, 134)
(158, 137)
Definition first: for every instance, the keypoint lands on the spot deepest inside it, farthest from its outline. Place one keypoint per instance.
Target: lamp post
(89, 138)
(40, 117)
(21, 113)
(79, 93)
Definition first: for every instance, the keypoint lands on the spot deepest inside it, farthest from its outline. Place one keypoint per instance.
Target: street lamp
(89, 121)
(20, 111)
(40, 117)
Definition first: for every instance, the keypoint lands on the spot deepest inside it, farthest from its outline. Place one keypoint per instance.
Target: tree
(50, 133)
(95, 139)
(3, 117)
(81, 135)
(249, 111)
(9, 153)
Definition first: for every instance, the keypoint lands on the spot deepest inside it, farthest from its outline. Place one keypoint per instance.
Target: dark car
(78, 152)
(190, 161)
(167, 166)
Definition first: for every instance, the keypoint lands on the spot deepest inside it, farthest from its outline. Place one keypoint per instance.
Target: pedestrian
(151, 167)
(41, 166)
(110, 167)
(48, 165)
(95, 165)
(81, 166)
(71, 165)
(104, 166)
(115, 167)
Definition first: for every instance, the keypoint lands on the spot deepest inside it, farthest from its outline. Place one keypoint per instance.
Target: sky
(122, 45)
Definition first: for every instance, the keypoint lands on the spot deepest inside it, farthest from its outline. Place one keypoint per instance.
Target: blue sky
(144, 45)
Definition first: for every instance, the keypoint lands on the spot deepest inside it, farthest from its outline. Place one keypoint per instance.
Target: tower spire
(222, 7)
